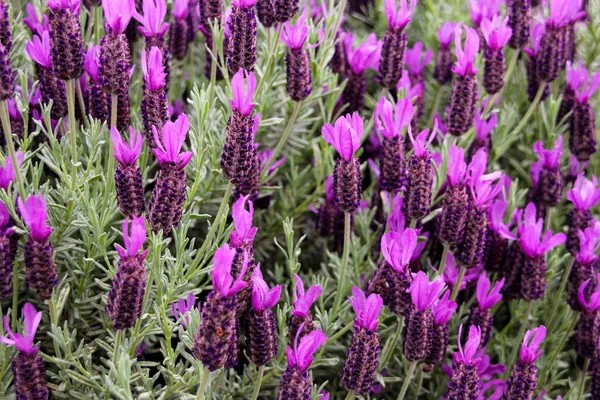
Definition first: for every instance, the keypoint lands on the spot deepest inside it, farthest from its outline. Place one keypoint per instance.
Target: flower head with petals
(242, 220)
(457, 167)
(153, 69)
(446, 34)
(398, 247)
(33, 21)
(223, 282)
(563, 12)
(537, 33)
(5, 227)
(173, 135)
(92, 63)
(182, 307)
(422, 142)
(134, 239)
(366, 309)
(585, 193)
(575, 75)
(589, 244)
(424, 293)
(344, 135)
(117, 14)
(416, 60)
(487, 298)
(301, 356)
(294, 35)
(390, 120)
(466, 355)
(483, 190)
(152, 23)
(398, 19)
(496, 32)
(263, 298)
(304, 300)
(443, 309)
(465, 64)
(23, 343)
(39, 49)
(549, 158)
(530, 349)
(482, 9)
(35, 215)
(7, 173)
(484, 128)
(397, 219)
(126, 154)
(588, 87)
(243, 85)
(533, 243)
(365, 55)
(496, 218)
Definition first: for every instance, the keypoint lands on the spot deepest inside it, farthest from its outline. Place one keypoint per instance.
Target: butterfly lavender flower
(523, 378)
(358, 60)
(67, 43)
(582, 139)
(297, 60)
(480, 315)
(155, 105)
(419, 185)
(7, 75)
(451, 222)
(584, 195)
(498, 236)
(443, 65)
(301, 316)
(241, 46)
(574, 76)
(497, 34)
(437, 334)
(36, 25)
(153, 27)
(519, 21)
(584, 264)
(480, 10)
(465, 376)
(546, 175)
(416, 61)
(181, 309)
(9, 241)
(588, 327)
(533, 80)
(128, 177)
(98, 101)
(179, 29)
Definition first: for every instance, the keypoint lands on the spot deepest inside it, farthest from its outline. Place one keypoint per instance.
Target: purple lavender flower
(417, 196)
(465, 94)
(582, 141)
(295, 382)
(416, 61)
(584, 195)
(28, 367)
(338, 60)
(363, 352)
(583, 265)
(128, 177)
(479, 11)
(345, 137)
(179, 29)
(443, 65)
(523, 378)
(534, 246)
(533, 80)
(483, 133)
(8, 173)
(181, 309)
(265, 9)
(98, 101)
(496, 33)
(358, 60)
(297, 60)
(262, 325)
(452, 270)
(481, 315)
(36, 25)
(126, 297)
(574, 76)
(153, 27)
(210, 11)
(7, 75)
(519, 21)
(588, 328)
(301, 316)
(241, 47)
(115, 61)
(498, 235)
(465, 376)
(437, 335)
(451, 223)
(67, 43)
(8, 251)
(330, 218)
(168, 196)
(390, 122)
(155, 105)
(546, 175)
(285, 9)
(394, 42)
(40, 270)
(423, 294)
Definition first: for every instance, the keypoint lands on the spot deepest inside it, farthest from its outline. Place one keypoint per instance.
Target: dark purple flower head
(35, 215)
(294, 35)
(71, 5)
(496, 32)
(537, 33)
(366, 309)
(152, 23)
(92, 63)
(23, 343)
(39, 49)
(424, 293)
(7, 173)
(304, 300)
(180, 9)
(398, 19)
(33, 21)
(153, 69)
(182, 307)
(530, 349)
(365, 55)
(496, 219)
(242, 220)
(465, 64)
(585, 193)
(483, 128)
(134, 239)
(446, 34)
(443, 309)
(344, 135)
(168, 146)
(485, 297)
(589, 244)
(263, 298)
(223, 282)
(398, 247)
(126, 154)
(243, 85)
(422, 141)
(483, 9)
(532, 242)
(117, 14)
(301, 355)
(467, 355)
(588, 87)
(416, 60)
(390, 120)
(457, 167)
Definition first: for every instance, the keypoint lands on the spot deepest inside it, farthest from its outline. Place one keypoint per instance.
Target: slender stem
(272, 50)
(341, 286)
(530, 111)
(114, 103)
(81, 102)
(389, 351)
(558, 296)
(258, 382)
(116, 348)
(548, 219)
(203, 384)
(419, 383)
(413, 223)
(11, 148)
(516, 347)
(443, 260)
(70, 86)
(406, 384)
(284, 137)
(340, 333)
(456, 288)
(350, 396)
(586, 365)
(436, 102)
(213, 68)
(338, 17)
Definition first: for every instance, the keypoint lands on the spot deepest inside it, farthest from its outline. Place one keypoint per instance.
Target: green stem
(548, 219)
(117, 345)
(389, 351)
(436, 102)
(272, 50)
(81, 102)
(338, 17)
(213, 69)
(70, 86)
(558, 296)
(350, 396)
(443, 260)
(203, 384)
(258, 382)
(456, 288)
(114, 103)
(419, 383)
(529, 113)
(284, 137)
(413, 223)
(517, 346)
(582, 381)
(406, 384)
(341, 286)
(11, 148)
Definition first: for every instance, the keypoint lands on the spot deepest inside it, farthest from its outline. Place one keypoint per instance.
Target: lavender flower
(179, 29)
(465, 377)
(533, 80)
(584, 195)
(36, 25)
(98, 101)
(301, 316)
(115, 61)
(479, 11)
(363, 352)
(241, 48)
(465, 94)
(29, 371)
(210, 10)
(153, 27)
(523, 378)
(7, 75)
(166, 203)
(519, 21)
(390, 122)
(582, 141)
(497, 34)
(481, 315)
(265, 10)
(452, 270)
(295, 382)
(584, 263)
(417, 197)
(546, 174)
(285, 9)
(38, 257)
(262, 325)
(297, 60)
(67, 43)
(394, 42)
(443, 65)
(330, 219)
(128, 177)
(574, 76)
(588, 328)
(451, 223)
(8, 173)
(483, 133)
(155, 105)
(126, 297)
(8, 251)
(345, 137)
(182, 308)
(423, 294)
(437, 335)
(215, 342)
(498, 235)
(358, 60)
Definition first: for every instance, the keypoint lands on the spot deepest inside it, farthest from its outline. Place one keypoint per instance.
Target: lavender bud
(582, 141)
(533, 278)
(392, 164)
(285, 9)
(193, 19)
(493, 71)
(522, 382)
(67, 43)
(570, 41)
(338, 60)
(29, 374)
(8, 251)
(40, 270)
(437, 337)
(238, 151)
(361, 361)
(533, 80)
(580, 272)
(168, 196)
(496, 250)
(178, 38)
(595, 371)
(578, 221)
(461, 108)
(519, 21)
(233, 349)
(550, 58)
(130, 190)
(586, 340)
(262, 336)
(298, 74)
(472, 248)
(295, 385)
(155, 112)
(115, 64)
(241, 49)
(347, 184)
(416, 332)
(123, 111)
(464, 384)
(418, 187)
(299, 326)
(52, 89)
(484, 319)
(7, 75)
(566, 104)
(354, 92)
(210, 10)
(126, 296)
(398, 297)
(5, 29)
(98, 105)
(513, 272)
(244, 296)
(443, 66)
(266, 13)
(392, 57)
(453, 218)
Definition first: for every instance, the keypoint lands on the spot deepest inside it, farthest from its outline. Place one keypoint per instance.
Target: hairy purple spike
(338, 60)
(392, 164)
(155, 112)
(52, 89)
(295, 385)
(582, 141)
(522, 382)
(392, 57)
(452, 221)
(237, 156)
(519, 21)
(570, 33)
(262, 336)
(513, 272)
(266, 13)
(98, 105)
(437, 337)
(216, 330)
(8, 251)
(578, 221)
(493, 70)
(40, 270)
(533, 80)
(241, 48)
(67, 44)
(193, 19)
(5, 29)
(130, 190)
(7, 75)
(580, 272)
(361, 361)
(533, 278)
(295, 323)
(418, 189)
(567, 104)
(168, 196)
(496, 250)
(398, 297)
(115, 64)
(126, 296)
(354, 92)
(472, 248)
(123, 111)
(595, 372)
(209, 11)
(587, 333)
(285, 9)
(244, 296)
(347, 184)
(461, 108)
(299, 80)
(464, 383)
(29, 374)
(178, 38)
(550, 57)
(443, 66)
(250, 186)
(416, 332)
